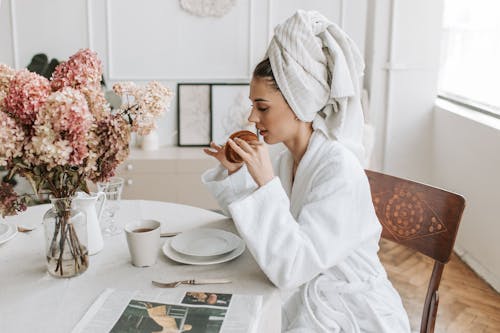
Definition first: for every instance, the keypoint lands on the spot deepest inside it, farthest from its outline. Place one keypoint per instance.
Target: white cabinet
(168, 174)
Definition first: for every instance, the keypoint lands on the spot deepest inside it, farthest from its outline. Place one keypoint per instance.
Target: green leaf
(21, 165)
(12, 172)
(51, 68)
(84, 186)
(39, 64)
(74, 178)
(32, 183)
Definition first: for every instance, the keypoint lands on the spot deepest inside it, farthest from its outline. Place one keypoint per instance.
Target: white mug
(143, 238)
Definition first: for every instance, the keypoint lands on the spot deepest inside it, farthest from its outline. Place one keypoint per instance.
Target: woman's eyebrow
(261, 100)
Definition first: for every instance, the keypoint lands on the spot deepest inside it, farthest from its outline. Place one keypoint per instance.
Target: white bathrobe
(316, 239)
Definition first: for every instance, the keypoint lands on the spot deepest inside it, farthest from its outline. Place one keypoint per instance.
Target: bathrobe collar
(298, 189)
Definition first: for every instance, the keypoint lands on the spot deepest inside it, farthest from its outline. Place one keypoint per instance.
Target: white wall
(156, 39)
(466, 161)
(403, 55)
(454, 150)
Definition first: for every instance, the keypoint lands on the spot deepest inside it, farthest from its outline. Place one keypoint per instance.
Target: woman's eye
(261, 109)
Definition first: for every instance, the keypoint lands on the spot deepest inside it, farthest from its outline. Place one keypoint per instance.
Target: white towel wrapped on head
(318, 70)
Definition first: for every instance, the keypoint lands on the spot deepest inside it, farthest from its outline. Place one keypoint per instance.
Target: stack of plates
(7, 232)
(204, 246)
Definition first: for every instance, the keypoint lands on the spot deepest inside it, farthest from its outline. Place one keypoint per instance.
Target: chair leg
(432, 299)
(431, 321)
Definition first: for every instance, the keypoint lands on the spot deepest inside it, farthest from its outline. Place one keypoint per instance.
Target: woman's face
(271, 114)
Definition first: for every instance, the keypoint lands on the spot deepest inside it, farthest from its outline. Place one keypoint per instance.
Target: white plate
(190, 260)
(7, 232)
(205, 242)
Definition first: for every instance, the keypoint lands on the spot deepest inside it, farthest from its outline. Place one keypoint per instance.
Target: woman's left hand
(256, 156)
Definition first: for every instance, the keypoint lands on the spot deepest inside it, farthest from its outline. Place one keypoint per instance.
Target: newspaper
(118, 311)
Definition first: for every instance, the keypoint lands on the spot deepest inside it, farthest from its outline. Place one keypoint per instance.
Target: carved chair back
(421, 217)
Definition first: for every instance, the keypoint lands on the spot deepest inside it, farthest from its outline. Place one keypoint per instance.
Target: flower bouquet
(61, 133)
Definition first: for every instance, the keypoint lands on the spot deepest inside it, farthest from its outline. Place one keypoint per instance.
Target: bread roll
(231, 155)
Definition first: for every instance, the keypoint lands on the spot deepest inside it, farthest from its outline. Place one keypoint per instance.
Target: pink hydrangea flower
(112, 148)
(98, 105)
(27, 93)
(11, 139)
(144, 104)
(6, 75)
(83, 69)
(61, 133)
(61, 129)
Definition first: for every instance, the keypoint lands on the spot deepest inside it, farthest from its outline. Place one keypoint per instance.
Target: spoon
(22, 228)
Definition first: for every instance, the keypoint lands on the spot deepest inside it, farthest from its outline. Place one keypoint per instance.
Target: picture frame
(231, 106)
(194, 119)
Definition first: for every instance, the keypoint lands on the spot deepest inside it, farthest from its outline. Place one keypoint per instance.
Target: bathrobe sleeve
(336, 218)
(227, 189)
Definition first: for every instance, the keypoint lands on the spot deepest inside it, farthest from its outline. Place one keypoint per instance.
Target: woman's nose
(253, 118)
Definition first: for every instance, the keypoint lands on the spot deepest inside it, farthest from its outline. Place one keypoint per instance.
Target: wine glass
(113, 189)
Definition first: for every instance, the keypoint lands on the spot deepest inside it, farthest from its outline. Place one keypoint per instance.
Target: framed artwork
(194, 121)
(230, 110)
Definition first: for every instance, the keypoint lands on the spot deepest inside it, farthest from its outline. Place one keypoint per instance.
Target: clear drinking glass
(113, 190)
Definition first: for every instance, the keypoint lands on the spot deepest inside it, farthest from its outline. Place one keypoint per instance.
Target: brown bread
(231, 155)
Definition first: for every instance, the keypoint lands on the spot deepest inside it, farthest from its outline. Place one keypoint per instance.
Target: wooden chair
(423, 218)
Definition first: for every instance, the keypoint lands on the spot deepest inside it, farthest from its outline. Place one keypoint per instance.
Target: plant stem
(61, 242)
(54, 238)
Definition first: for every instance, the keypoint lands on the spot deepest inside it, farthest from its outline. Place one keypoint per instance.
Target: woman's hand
(219, 152)
(256, 156)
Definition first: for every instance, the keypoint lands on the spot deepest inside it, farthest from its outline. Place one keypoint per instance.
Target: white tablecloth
(33, 301)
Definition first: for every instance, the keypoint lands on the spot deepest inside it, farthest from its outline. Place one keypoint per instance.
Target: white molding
(388, 94)
(342, 14)
(90, 32)
(108, 43)
(477, 267)
(211, 78)
(13, 31)
(394, 66)
(250, 37)
(269, 16)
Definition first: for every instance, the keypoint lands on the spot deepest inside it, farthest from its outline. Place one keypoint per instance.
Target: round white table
(33, 301)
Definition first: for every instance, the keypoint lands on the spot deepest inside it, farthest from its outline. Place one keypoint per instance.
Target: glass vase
(65, 239)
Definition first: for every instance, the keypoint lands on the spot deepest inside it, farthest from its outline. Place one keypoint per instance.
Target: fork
(191, 282)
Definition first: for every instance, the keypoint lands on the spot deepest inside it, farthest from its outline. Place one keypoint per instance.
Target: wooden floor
(467, 303)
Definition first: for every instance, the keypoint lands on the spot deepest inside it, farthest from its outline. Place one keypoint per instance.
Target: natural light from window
(470, 53)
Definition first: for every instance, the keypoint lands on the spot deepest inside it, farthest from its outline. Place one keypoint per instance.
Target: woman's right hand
(219, 152)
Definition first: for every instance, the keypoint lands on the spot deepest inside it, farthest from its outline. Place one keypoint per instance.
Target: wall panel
(7, 47)
(53, 27)
(180, 46)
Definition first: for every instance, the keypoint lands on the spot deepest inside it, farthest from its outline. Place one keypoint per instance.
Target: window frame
(471, 104)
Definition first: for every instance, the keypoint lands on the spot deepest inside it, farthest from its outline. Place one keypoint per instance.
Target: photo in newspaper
(147, 317)
(204, 298)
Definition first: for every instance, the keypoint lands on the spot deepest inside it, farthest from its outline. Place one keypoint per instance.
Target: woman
(312, 228)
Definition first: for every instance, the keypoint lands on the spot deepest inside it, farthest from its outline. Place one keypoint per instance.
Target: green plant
(40, 64)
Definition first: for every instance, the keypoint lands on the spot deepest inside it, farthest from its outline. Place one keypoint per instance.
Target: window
(470, 54)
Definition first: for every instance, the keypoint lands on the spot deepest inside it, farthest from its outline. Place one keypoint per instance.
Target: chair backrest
(423, 218)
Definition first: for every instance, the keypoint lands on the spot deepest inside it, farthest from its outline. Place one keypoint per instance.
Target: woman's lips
(262, 132)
